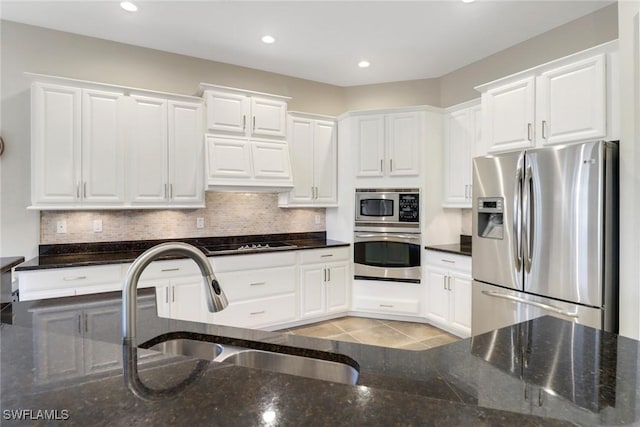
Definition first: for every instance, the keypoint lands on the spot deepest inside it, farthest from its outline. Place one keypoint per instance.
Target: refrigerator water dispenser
(490, 216)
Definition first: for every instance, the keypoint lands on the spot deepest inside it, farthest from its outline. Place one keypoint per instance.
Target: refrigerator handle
(527, 218)
(517, 220)
(541, 305)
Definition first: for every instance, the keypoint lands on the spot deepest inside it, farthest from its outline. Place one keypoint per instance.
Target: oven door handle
(397, 236)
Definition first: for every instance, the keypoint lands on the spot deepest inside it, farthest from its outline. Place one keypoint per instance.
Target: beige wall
(397, 94)
(588, 31)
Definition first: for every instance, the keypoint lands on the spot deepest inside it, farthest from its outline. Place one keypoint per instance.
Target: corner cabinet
(462, 143)
(448, 278)
(99, 146)
(314, 154)
(388, 144)
(568, 100)
(246, 149)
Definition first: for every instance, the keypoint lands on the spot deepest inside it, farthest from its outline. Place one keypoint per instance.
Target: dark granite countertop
(88, 254)
(463, 247)
(542, 372)
(7, 263)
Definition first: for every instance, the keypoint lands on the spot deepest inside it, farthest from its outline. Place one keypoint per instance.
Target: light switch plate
(199, 222)
(97, 226)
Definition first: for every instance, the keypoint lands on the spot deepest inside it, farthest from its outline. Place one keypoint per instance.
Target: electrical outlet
(199, 222)
(61, 227)
(317, 219)
(97, 226)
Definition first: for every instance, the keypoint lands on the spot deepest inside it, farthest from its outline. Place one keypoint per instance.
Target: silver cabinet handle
(444, 282)
(449, 283)
(391, 165)
(324, 274)
(326, 256)
(166, 295)
(257, 312)
(447, 261)
(173, 294)
(165, 190)
(386, 305)
(257, 284)
(169, 269)
(84, 186)
(70, 278)
(254, 123)
(544, 129)
(529, 136)
(381, 165)
(79, 324)
(86, 323)
(470, 191)
(171, 191)
(328, 274)
(541, 305)
(244, 122)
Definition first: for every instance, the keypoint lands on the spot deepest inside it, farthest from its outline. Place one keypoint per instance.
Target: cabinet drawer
(257, 283)
(386, 305)
(448, 261)
(263, 312)
(65, 281)
(313, 256)
(168, 269)
(253, 261)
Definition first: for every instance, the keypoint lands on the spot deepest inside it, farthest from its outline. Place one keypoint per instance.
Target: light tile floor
(384, 333)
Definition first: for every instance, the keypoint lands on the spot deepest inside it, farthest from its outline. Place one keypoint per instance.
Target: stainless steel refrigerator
(545, 236)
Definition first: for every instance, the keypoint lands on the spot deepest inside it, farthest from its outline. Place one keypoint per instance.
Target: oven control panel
(409, 207)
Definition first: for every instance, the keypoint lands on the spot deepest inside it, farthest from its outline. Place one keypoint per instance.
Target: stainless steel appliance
(387, 237)
(545, 227)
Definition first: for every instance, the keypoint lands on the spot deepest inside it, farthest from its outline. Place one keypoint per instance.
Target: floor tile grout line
(397, 330)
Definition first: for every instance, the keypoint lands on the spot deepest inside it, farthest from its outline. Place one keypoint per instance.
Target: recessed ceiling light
(268, 39)
(468, 1)
(363, 64)
(128, 6)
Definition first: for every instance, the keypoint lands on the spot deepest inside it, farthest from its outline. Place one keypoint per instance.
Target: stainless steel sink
(302, 366)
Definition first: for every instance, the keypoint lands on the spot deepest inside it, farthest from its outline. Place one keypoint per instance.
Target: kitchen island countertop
(542, 372)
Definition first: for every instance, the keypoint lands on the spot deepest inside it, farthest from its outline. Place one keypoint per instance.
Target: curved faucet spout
(216, 299)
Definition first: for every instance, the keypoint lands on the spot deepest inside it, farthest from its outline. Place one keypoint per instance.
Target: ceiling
(315, 40)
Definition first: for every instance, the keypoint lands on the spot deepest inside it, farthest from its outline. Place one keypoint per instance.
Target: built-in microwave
(387, 209)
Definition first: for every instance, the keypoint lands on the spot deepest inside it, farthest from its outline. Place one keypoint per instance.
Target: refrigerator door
(496, 244)
(495, 307)
(563, 206)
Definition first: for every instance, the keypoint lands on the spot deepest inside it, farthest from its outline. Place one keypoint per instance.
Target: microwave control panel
(409, 207)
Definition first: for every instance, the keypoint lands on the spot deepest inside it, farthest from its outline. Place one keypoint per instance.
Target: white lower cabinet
(324, 286)
(71, 340)
(382, 297)
(182, 299)
(448, 279)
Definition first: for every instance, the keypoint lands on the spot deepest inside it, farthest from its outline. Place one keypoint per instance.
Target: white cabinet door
(187, 299)
(56, 144)
(227, 112)
(460, 303)
(228, 158)
(103, 147)
(458, 159)
(369, 135)
(312, 291)
(147, 142)
(268, 117)
(437, 296)
(325, 157)
(479, 147)
(186, 152)
(102, 327)
(403, 144)
(572, 103)
(301, 144)
(58, 344)
(270, 160)
(337, 288)
(509, 119)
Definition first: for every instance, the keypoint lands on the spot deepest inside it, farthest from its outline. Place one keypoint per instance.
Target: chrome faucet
(216, 299)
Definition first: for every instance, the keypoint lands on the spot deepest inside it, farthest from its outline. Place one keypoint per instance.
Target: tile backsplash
(465, 221)
(225, 214)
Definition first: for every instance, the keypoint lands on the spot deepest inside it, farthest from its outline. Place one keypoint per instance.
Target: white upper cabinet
(245, 113)
(571, 102)
(313, 145)
(102, 146)
(77, 147)
(388, 144)
(568, 100)
(462, 143)
(246, 149)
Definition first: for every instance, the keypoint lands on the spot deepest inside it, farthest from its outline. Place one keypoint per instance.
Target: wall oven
(387, 239)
